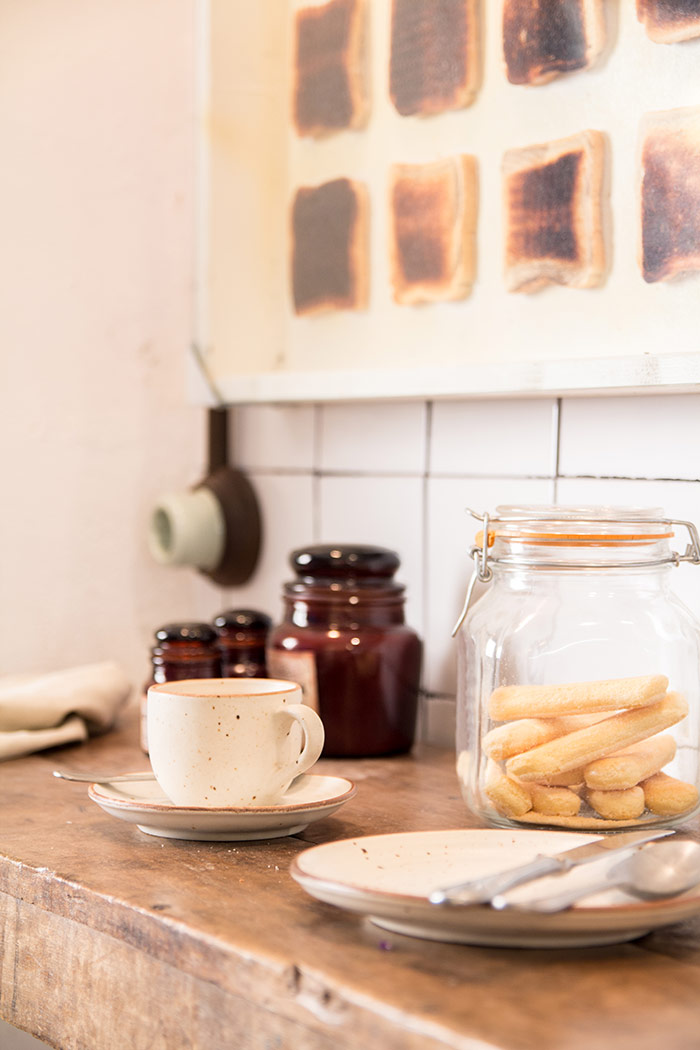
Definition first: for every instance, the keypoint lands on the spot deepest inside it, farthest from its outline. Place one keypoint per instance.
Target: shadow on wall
(12, 1039)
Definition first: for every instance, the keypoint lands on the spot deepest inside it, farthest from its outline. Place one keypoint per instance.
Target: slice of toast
(434, 62)
(329, 68)
(553, 213)
(432, 209)
(329, 251)
(670, 194)
(544, 38)
(669, 21)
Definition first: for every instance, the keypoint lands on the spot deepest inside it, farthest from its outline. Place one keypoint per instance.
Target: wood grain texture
(111, 937)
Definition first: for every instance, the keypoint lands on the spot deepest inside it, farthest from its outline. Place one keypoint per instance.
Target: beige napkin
(61, 707)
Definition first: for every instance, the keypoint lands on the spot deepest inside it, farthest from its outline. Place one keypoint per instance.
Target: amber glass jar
(242, 635)
(344, 639)
(182, 650)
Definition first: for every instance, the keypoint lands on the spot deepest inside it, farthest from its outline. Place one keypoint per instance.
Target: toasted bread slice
(434, 64)
(669, 21)
(545, 38)
(553, 213)
(432, 221)
(329, 68)
(329, 261)
(670, 194)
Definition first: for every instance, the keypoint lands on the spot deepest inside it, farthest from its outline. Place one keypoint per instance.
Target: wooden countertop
(111, 938)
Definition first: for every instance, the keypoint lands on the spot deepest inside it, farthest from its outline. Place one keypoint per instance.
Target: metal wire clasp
(692, 551)
(482, 570)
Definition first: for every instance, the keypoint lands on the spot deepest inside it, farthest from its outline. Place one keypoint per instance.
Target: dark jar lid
(243, 621)
(341, 569)
(187, 633)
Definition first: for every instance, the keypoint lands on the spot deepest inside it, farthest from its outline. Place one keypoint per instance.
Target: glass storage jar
(344, 640)
(579, 672)
(242, 638)
(182, 651)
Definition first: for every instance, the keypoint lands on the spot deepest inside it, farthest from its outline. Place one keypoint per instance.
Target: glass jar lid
(550, 526)
(575, 538)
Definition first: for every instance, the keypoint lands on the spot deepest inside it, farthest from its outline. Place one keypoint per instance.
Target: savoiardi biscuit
(512, 738)
(548, 701)
(556, 801)
(624, 769)
(522, 734)
(668, 797)
(508, 796)
(617, 805)
(585, 745)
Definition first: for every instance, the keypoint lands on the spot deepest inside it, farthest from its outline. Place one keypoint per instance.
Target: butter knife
(480, 890)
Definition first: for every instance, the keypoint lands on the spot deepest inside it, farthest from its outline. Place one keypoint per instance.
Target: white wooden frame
(625, 337)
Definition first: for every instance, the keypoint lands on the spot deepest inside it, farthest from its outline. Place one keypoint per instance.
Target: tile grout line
(316, 472)
(425, 544)
(556, 447)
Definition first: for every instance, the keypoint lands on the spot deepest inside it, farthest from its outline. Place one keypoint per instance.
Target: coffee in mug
(230, 742)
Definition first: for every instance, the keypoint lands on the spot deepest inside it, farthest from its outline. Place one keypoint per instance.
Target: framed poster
(447, 198)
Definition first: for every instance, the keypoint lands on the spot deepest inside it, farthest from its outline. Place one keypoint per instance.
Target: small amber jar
(182, 650)
(242, 635)
(344, 639)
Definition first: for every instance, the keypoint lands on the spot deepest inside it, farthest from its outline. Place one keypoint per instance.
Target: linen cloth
(60, 707)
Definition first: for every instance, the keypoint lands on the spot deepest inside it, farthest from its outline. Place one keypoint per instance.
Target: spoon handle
(101, 778)
(556, 901)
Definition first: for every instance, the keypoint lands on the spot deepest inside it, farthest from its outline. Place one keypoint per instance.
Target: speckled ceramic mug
(231, 742)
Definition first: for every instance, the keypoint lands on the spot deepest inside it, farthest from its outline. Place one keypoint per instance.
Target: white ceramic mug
(231, 742)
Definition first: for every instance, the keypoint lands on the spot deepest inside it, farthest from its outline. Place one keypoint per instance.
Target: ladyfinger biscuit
(522, 734)
(510, 798)
(617, 805)
(586, 745)
(512, 738)
(572, 778)
(668, 797)
(542, 701)
(555, 801)
(624, 769)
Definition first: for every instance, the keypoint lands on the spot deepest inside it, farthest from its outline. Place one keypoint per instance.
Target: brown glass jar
(182, 650)
(242, 635)
(344, 639)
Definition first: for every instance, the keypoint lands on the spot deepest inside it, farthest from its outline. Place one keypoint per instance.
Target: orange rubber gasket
(564, 539)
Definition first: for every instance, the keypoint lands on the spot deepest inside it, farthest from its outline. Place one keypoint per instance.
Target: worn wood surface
(111, 938)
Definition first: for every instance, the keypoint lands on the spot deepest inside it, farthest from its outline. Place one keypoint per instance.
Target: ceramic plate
(388, 878)
(309, 798)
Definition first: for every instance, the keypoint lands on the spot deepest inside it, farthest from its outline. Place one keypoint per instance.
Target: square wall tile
(450, 534)
(487, 438)
(286, 506)
(632, 437)
(676, 499)
(387, 512)
(439, 722)
(272, 437)
(377, 438)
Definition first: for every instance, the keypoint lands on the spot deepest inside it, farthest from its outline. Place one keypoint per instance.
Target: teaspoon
(661, 869)
(101, 778)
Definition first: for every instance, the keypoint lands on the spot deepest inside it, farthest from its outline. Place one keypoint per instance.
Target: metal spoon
(101, 778)
(661, 869)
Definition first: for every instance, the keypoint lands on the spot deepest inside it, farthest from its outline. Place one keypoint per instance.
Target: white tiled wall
(402, 475)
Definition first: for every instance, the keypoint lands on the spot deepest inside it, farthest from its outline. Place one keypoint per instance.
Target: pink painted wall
(96, 227)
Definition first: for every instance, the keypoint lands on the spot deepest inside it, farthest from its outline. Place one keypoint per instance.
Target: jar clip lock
(482, 570)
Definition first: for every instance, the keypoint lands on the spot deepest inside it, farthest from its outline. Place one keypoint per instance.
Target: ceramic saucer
(387, 878)
(310, 798)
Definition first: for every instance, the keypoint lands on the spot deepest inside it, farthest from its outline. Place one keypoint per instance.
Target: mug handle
(314, 735)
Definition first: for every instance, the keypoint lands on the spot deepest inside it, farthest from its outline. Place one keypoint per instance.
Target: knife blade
(484, 888)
